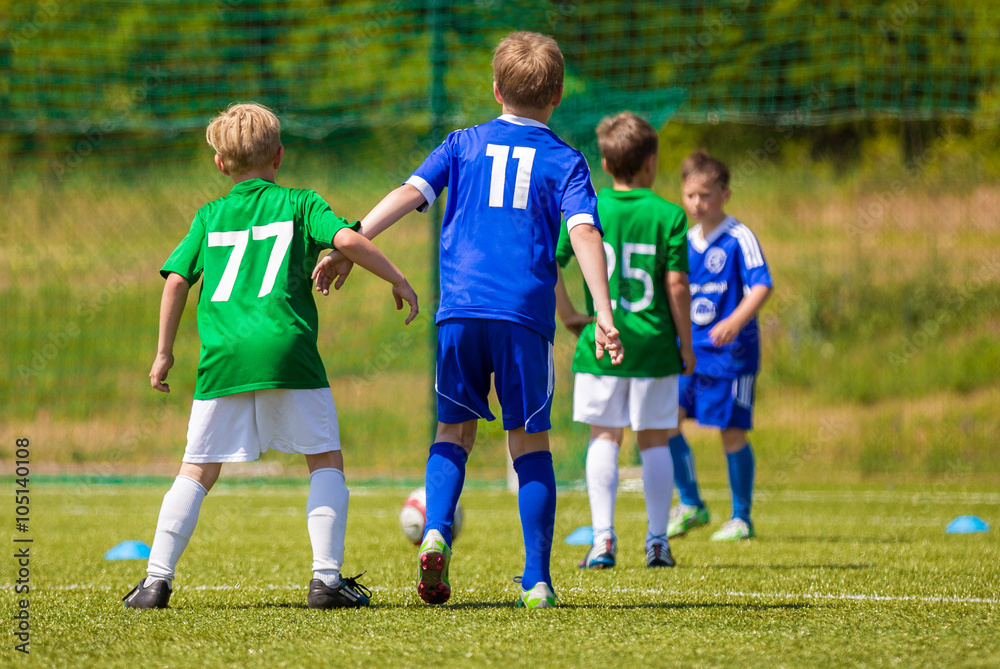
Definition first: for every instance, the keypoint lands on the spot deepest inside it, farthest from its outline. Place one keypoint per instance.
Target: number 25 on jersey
(629, 250)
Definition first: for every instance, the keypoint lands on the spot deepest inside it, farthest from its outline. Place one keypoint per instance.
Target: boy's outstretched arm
(572, 319)
(726, 330)
(394, 206)
(334, 267)
(175, 293)
(589, 251)
(679, 297)
(359, 250)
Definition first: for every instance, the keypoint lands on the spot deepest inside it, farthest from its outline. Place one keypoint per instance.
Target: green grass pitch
(839, 576)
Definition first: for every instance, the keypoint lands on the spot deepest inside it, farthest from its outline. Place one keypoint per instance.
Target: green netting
(165, 65)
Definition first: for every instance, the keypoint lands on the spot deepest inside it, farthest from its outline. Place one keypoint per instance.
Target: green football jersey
(644, 237)
(257, 319)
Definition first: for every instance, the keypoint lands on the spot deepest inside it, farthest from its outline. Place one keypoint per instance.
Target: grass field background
(855, 575)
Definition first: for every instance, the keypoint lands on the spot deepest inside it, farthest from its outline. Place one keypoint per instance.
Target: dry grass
(106, 243)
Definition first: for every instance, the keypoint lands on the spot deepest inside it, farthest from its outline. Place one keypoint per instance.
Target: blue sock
(443, 481)
(741, 475)
(536, 502)
(684, 476)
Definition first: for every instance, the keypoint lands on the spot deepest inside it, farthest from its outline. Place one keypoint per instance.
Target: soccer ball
(413, 516)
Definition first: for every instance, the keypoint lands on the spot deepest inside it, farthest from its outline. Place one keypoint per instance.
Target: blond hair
(528, 70)
(704, 165)
(626, 141)
(246, 136)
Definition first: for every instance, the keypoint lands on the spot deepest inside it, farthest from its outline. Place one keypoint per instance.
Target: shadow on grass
(783, 566)
(249, 606)
(841, 540)
(623, 607)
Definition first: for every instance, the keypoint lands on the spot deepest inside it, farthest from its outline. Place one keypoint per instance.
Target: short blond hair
(626, 141)
(528, 69)
(246, 136)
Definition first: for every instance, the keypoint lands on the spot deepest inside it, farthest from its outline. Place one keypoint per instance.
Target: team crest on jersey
(715, 260)
(702, 311)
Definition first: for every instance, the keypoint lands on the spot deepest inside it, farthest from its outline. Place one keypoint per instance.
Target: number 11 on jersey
(524, 156)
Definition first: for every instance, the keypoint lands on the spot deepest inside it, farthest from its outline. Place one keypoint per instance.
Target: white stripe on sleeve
(425, 189)
(579, 219)
(749, 245)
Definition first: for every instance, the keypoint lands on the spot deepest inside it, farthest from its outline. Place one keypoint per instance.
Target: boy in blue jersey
(510, 181)
(730, 282)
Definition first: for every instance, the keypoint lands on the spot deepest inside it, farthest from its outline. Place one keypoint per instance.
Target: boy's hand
(606, 336)
(576, 322)
(402, 292)
(724, 332)
(331, 270)
(688, 360)
(158, 374)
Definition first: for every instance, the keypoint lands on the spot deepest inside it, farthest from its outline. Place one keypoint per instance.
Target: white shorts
(614, 401)
(238, 428)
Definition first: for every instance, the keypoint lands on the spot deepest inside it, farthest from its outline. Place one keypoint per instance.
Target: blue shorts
(720, 403)
(471, 349)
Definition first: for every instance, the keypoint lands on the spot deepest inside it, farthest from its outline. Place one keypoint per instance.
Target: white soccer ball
(413, 515)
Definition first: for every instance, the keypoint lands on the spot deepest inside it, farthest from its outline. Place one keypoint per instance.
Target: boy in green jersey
(646, 246)
(261, 383)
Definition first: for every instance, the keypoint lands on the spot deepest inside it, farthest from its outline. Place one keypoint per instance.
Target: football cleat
(346, 594)
(602, 553)
(658, 555)
(156, 595)
(539, 597)
(684, 518)
(736, 529)
(435, 555)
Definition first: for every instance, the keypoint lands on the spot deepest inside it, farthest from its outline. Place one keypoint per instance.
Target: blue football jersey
(722, 269)
(510, 181)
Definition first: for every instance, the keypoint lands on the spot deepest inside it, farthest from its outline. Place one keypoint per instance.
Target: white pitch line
(876, 598)
(811, 595)
(686, 594)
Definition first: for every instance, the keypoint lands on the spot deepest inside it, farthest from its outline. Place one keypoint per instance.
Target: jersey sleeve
(677, 243)
(753, 267)
(579, 201)
(321, 223)
(188, 259)
(564, 248)
(432, 175)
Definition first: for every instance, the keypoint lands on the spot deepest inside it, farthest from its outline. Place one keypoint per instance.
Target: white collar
(698, 239)
(520, 120)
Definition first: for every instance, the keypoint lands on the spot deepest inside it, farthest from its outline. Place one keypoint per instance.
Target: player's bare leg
(463, 434)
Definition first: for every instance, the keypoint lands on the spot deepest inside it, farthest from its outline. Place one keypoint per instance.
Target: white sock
(658, 484)
(602, 484)
(326, 517)
(174, 527)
